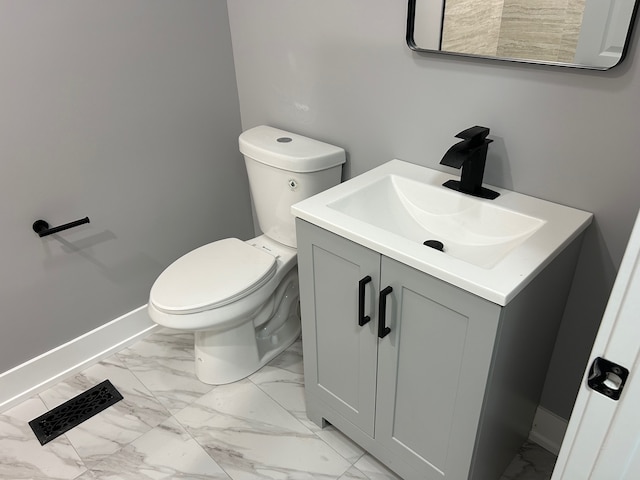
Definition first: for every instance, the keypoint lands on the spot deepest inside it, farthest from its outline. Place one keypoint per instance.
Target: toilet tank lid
(289, 151)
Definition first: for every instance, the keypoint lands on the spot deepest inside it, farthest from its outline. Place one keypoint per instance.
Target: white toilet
(241, 298)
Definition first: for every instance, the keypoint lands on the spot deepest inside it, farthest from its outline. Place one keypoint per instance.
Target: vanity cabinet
(447, 387)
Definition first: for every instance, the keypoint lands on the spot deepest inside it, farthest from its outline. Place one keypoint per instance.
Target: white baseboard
(43, 371)
(548, 430)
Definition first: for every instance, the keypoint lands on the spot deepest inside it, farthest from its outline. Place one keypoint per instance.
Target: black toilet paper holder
(41, 227)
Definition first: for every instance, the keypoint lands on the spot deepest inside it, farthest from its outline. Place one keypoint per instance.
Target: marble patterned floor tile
(374, 470)
(166, 452)
(254, 429)
(290, 359)
(164, 363)
(531, 463)
(86, 476)
(117, 426)
(353, 474)
(22, 456)
(342, 444)
(283, 380)
(286, 386)
(251, 436)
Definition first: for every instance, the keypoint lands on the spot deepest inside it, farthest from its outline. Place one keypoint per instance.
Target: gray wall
(340, 71)
(126, 112)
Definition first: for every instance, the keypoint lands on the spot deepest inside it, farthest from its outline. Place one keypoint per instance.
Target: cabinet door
(432, 371)
(340, 355)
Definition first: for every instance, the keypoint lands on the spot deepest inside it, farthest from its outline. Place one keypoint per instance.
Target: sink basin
(478, 232)
(492, 248)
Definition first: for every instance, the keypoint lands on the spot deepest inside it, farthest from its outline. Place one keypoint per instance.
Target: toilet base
(229, 356)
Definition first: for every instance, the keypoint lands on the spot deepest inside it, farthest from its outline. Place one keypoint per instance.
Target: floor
(169, 425)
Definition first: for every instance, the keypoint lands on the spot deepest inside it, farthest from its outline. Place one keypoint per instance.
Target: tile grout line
(315, 434)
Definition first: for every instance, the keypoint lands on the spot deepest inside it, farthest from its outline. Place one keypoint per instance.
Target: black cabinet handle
(362, 318)
(383, 330)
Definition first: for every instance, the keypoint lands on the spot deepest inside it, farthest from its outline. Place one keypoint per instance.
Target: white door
(603, 437)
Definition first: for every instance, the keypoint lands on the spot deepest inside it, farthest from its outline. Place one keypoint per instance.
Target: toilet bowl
(243, 316)
(240, 298)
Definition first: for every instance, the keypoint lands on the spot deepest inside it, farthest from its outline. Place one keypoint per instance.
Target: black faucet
(470, 154)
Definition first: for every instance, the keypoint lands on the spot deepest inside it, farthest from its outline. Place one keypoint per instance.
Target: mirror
(590, 34)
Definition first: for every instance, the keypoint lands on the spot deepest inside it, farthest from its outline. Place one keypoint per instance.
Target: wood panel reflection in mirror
(590, 34)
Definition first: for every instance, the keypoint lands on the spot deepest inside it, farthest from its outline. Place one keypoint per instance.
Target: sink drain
(438, 245)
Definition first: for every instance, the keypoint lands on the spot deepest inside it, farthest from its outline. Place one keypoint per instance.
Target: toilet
(240, 298)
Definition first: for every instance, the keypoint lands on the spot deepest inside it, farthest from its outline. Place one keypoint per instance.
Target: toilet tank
(283, 169)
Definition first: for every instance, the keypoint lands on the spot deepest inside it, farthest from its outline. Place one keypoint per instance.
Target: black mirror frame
(411, 11)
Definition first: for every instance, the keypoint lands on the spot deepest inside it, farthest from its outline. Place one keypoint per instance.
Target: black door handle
(383, 330)
(607, 378)
(362, 318)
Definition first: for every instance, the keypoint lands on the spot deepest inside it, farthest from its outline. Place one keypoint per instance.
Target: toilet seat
(212, 276)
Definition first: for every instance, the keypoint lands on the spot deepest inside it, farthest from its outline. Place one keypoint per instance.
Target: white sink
(478, 232)
(490, 247)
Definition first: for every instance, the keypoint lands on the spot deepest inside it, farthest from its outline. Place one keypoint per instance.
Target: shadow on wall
(123, 272)
(498, 170)
(589, 293)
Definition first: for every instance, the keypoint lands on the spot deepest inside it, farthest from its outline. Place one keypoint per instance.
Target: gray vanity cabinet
(414, 397)
(340, 355)
(432, 371)
(451, 390)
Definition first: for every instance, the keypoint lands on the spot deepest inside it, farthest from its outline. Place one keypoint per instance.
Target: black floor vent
(75, 411)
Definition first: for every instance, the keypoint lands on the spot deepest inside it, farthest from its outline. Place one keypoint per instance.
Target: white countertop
(498, 283)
